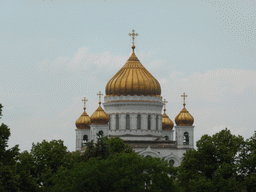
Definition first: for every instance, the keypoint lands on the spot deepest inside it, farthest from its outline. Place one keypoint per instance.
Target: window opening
(117, 122)
(157, 122)
(149, 122)
(186, 139)
(127, 121)
(138, 121)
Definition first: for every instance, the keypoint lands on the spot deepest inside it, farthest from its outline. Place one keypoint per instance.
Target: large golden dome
(167, 123)
(184, 118)
(83, 122)
(99, 116)
(133, 79)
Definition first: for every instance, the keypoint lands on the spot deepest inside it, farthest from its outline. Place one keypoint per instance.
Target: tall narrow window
(149, 122)
(138, 121)
(186, 139)
(117, 122)
(127, 121)
(166, 138)
(100, 133)
(109, 123)
(157, 122)
(85, 140)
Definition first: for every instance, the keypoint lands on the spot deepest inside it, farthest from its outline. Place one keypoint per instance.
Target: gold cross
(84, 100)
(165, 104)
(133, 34)
(184, 96)
(100, 94)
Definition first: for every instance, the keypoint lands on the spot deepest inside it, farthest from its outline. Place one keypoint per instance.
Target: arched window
(148, 156)
(149, 122)
(172, 161)
(157, 122)
(109, 124)
(127, 121)
(139, 121)
(101, 133)
(166, 138)
(85, 140)
(117, 122)
(186, 139)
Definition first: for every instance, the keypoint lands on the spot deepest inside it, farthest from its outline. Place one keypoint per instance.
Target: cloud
(83, 60)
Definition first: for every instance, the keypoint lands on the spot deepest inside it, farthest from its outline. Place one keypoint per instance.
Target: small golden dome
(133, 79)
(83, 122)
(99, 116)
(184, 118)
(167, 123)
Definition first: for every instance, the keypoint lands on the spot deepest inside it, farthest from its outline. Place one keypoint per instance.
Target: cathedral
(133, 111)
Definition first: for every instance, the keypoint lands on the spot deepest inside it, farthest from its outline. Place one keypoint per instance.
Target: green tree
(104, 147)
(119, 172)
(45, 159)
(214, 166)
(248, 163)
(9, 180)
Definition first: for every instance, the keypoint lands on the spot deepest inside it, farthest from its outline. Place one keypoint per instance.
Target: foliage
(9, 180)
(215, 165)
(105, 147)
(248, 163)
(119, 172)
(47, 158)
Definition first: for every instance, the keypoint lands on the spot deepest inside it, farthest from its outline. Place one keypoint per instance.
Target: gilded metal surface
(99, 116)
(133, 79)
(184, 118)
(133, 34)
(83, 122)
(167, 123)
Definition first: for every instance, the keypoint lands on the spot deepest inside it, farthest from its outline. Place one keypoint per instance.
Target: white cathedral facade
(133, 111)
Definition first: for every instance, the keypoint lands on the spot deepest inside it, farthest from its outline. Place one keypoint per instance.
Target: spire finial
(99, 94)
(184, 96)
(165, 104)
(84, 100)
(133, 34)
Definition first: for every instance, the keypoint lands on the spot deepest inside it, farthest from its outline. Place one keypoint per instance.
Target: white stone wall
(167, 153)
(95, 128)
(168, 133)
(134, 105)
(79, 137)
(179, 132)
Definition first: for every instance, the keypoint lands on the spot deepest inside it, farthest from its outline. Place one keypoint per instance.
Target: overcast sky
(54, 53)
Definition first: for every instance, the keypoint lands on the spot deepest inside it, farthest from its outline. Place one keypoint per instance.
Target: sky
(54, 53)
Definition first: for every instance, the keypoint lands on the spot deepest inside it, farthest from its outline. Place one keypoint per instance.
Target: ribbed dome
(133, 79)
(167, 123)
(83, 122)
(184, 118)
(99, 116)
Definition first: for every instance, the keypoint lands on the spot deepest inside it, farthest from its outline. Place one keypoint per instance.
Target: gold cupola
(99, 116)
(133, 79)
(83, 122)
(167, 123)
(184, 118)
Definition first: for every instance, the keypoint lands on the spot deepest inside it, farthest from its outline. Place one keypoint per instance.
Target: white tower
(99, 122)
(184, 130)
(83, 133)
